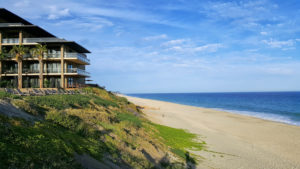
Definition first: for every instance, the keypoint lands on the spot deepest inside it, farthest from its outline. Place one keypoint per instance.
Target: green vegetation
(18, 51)
(178, 139)
(4, 95)
(132, 119)
(100, 124)
(61, 102)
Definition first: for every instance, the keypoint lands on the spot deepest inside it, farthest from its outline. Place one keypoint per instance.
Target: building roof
(12, 21)
(10, 17)
(29, 28)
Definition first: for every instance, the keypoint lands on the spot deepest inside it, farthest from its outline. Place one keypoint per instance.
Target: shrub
(132, 119)
(27, 107)
(4, 95)
(61, 102)
(29, 146)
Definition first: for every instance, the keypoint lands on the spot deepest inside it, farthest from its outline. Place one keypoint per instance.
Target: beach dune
(233, 140)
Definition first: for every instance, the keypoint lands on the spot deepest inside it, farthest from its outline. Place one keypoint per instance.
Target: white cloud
(90, 23)
(187, 49)
(279, 44)
(56, 13)
(21, 4)
(243, 14)
(174, 42)
(55, 9)
(176, 48)
(209, 47)
(156, 37)
(264, 33)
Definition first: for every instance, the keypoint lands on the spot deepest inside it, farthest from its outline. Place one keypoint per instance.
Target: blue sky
(179, 45)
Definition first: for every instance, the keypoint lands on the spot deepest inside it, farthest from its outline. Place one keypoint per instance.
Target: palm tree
(2, 56)
(19, 52)
(2, 53)
(38, 52)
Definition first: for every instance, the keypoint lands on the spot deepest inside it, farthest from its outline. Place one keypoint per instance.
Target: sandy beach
(233, 140)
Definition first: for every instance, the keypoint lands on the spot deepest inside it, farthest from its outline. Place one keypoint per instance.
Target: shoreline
(260, 115)
(255, 115)
(243, 141)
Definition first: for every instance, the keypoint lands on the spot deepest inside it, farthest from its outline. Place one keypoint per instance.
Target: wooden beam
(0, 41)
(20, 74)
(62, 64)
(20, 38)
(0, 52)
(20, 64)
(41, 76)
(0, 68)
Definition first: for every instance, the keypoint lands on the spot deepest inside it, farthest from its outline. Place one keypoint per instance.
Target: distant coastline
(283, 107)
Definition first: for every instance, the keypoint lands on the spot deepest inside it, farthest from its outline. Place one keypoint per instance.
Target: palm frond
(18, 52)
(39, 51)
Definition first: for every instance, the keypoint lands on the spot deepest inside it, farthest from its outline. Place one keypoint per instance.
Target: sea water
(276, 106)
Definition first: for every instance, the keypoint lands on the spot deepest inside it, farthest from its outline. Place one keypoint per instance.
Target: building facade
(64, 62)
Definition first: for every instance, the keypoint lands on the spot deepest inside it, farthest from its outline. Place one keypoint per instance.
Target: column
(20, 38)
(41, 76)
(0, 68)
(20, 64)
(66, 78)
(0, 52)
(0, 41)
(62, 64)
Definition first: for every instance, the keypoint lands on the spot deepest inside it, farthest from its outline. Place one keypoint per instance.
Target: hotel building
(64, 61)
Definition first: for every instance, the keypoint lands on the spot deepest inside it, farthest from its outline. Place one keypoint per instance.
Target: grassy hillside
(75, 131)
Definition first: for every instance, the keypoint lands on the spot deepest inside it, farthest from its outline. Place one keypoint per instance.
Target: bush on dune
(98, 123)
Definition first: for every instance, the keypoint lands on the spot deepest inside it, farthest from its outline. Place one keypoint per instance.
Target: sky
(174, 46)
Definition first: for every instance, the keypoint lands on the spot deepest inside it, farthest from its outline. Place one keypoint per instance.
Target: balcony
(30, 71)
(52, 55)
(39, 40)
(8, 56)
(10, 24)
(52, 70)
(78, 71)
(10, 40)
(28, 55)
(79, 56)
(10, 71)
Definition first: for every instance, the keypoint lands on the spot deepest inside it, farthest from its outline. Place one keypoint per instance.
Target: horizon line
(211, 92)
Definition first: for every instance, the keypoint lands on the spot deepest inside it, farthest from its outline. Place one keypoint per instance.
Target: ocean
(276, 106)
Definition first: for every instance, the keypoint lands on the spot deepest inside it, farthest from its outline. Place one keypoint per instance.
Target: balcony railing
(39, 40)
(31, 40)
(78, 71)
(78, 56)
(28, 55)
(10, 40)
(10, 24)
(7, 56)
(52, 55)
(52, 70)
(30, 70)
(10, 71)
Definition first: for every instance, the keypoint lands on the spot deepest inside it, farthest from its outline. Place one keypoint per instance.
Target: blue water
(277, 106)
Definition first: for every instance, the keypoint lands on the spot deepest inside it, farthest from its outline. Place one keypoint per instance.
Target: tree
(38, 52)
(2, 54)
(18, 52)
